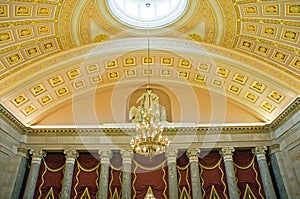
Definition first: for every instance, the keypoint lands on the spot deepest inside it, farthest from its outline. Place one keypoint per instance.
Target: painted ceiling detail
(51, 50)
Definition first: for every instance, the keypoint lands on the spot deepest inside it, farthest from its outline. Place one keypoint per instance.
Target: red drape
(115, 175)
(247, 173)
(86, 175)
(213, 174)
(50, 175)
(149, 172)
(183, 174)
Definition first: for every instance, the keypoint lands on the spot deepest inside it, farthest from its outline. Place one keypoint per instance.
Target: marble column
(227, 153)
(171, 155)
(105, 156)
(71, 156)
(274, 154)
(22, 155)
(37, 156)
(264, 171)
(193, 155)
(126, 174)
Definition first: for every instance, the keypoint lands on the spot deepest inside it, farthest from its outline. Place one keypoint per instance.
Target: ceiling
(66, 62)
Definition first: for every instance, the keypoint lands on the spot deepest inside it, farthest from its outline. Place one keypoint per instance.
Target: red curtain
(86, 175)
(247, 173)
(50, 176)
(149, 172)
(183, 174)
(213, 174)
(115, 175)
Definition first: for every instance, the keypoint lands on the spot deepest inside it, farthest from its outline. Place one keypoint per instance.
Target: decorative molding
(13, 121)
(285, 115)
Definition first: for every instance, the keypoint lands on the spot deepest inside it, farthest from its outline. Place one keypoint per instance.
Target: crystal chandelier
(149, 118)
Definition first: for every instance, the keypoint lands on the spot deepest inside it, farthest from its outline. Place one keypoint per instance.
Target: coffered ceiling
(224, 61)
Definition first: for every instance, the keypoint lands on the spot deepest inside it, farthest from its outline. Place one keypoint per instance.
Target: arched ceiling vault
(244, 53)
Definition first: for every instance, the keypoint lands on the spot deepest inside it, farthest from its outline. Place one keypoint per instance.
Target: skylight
(145, 14)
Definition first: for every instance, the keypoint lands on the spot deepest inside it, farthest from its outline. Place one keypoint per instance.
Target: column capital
(260, 152)
(227, 153)
(171, 155)
(71, 155)
(22, 151)
(274, 148)
(37, 155)
(105, 156)
(193, 154)
(126, 156)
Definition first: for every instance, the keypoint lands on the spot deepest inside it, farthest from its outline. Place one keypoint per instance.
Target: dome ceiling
(54, 51)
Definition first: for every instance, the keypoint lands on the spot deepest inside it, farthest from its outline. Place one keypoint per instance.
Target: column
(264, 171)
(71, 156)
(23, 160)
(104, 173)
(126, 175)
(274, 157)
(171, 155)
(37, 156)
(193, 155)
(230, 175)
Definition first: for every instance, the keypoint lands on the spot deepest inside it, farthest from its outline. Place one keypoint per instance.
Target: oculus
(145, 14)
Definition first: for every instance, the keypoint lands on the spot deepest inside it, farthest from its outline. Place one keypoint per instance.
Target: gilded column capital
(126, 156)
(171, 155)
(105, 156)
(71, 155)
(193, 154)
(260, 152)
(37, 155)
(227, 153)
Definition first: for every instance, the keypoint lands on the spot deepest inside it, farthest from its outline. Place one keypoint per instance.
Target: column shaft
(68, 174)
(264, 172)
(104, 174)
(278, 176)
(194, 171)
(37, 156)
(171, 155)
(230, 175)
(22, 155)
(126, 175)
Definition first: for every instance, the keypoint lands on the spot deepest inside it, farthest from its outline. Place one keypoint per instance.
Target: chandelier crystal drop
(149, 118)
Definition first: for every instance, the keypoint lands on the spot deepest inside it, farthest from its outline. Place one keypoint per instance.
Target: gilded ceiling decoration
(253, 49)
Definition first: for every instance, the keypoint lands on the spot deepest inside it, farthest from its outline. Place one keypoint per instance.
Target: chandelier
(149, 118)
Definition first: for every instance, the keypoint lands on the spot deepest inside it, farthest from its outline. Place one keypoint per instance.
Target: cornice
(131, 131)
(13, 121)
(171, 131)
(293, 108)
